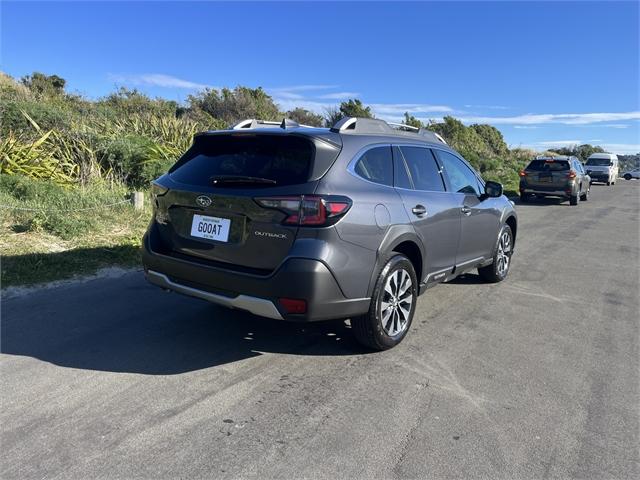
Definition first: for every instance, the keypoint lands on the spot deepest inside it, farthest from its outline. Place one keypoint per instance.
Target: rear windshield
(548, 166)
(598, 162)
(275, 159)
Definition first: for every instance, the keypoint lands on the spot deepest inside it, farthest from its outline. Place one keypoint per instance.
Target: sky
(546, 74)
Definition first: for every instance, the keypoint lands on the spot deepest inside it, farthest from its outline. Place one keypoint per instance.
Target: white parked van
(602, 167)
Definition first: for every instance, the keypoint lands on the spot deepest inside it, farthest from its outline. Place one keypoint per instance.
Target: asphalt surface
(535, 377)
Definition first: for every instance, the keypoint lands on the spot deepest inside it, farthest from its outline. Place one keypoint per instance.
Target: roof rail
(555, 157)
(375, 125)
(402, 126)
(255, 123)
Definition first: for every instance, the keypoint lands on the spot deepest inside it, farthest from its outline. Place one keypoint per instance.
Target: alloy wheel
(504, 253)
(397, 299)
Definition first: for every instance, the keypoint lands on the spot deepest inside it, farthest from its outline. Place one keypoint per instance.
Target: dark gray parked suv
(305, 224)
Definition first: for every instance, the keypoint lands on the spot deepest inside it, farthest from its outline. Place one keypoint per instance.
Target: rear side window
(548, 166)
(281, 160)
(423, 169)
(400, 174)
(376, 165)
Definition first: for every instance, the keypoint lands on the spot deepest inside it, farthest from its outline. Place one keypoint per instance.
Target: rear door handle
(419, 210)
(466, 211)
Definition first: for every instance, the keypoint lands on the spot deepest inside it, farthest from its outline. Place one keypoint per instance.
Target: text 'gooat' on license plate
(211, 228)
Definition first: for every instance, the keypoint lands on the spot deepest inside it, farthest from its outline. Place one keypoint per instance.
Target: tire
(525, 197)
(585, 196)
(378, 329)
(608, 184)
(574, 200)
(498, 270)
(627, 177)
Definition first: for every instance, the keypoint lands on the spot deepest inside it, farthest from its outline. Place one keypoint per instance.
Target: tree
(231, 106)
(355, 108)
(492, 137)
(581, 151)
(44, 85)
(584, 151)
(331, 116)
(305, 117)
(126, 101)
(412, 121)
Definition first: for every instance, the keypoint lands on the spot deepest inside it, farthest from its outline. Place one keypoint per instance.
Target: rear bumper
(546, 192)
(298, 278)
(600, 176)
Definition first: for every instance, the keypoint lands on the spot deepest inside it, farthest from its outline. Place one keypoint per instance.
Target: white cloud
(158, 80)
(622, 148)
(525, 127)
(558, 143)
(564, 118)
(289, 98)
(396, 110)
(617, 148)
(489, 107)
(607, 125)
(303, 88)
(339, 95)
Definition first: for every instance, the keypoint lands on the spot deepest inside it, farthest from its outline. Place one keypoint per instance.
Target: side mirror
(611, 164)
(493, 189)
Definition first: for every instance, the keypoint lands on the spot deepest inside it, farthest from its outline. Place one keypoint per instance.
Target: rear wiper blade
(227, 179)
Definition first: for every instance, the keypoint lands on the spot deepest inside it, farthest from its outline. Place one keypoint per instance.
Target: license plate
(211, 228)
(544, 178)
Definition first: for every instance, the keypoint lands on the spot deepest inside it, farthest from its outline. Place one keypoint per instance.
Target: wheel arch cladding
(398, 235)
(409, 249)
(513, 224)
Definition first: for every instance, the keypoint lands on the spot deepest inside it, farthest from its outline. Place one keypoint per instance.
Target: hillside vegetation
(129, 138)
(67, 163)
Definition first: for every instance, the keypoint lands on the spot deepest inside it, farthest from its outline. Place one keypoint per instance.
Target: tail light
(308, 210)
(522, 173)
(571, 175)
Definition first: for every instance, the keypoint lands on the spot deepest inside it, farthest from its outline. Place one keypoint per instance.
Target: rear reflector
(293, 305)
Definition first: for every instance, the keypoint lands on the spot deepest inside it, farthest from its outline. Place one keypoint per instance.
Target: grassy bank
(50, 232)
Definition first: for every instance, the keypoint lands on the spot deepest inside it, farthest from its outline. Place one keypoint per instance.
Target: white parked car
(602, 167)
(628, 175)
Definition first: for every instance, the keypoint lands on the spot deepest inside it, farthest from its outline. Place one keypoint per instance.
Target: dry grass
(39, 247)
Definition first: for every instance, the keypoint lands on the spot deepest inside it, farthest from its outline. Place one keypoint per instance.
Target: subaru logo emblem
(203, 201)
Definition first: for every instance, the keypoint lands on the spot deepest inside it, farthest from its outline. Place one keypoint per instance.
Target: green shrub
(48, 116)
(128, 156)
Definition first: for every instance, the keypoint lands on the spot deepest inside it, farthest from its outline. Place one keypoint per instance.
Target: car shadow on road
(540, 201)
(468, 279)
(137, 328)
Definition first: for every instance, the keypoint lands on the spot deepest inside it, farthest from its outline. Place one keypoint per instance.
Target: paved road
(535, 377)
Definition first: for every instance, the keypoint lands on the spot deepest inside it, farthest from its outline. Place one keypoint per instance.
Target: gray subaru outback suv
(305, 224)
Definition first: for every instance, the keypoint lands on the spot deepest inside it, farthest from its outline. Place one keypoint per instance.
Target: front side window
(423, 169)
(461, 177)
(376, 165)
